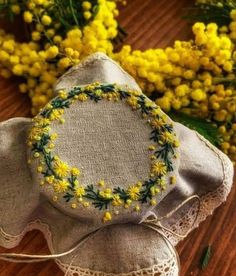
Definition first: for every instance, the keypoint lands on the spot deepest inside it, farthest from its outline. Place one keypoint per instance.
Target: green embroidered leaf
(228, 82)
(92, 96)
(59, 103)
(123, 94)
(98, 201)
(205, 128)
(207, 253)
(71, 181)
(68, 197)
(163, 153)
(122, 193)
(146, 193)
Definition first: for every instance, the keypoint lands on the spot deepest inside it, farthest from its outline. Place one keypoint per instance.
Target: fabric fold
(123, 246)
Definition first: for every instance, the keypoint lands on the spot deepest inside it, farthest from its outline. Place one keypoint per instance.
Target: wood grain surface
(149, 23)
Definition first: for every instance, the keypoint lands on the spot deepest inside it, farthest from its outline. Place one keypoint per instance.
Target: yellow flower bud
(15, 9)
(46, 20)
(87, 15)
(28, 16)
(107, 217)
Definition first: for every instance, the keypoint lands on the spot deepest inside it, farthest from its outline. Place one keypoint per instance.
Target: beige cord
(156, 221)
(29, 258)
(153, 224)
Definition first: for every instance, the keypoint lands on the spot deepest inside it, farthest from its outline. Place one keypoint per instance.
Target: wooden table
(149, 23)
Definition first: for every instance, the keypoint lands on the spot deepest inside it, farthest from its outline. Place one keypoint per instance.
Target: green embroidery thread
(65, 180)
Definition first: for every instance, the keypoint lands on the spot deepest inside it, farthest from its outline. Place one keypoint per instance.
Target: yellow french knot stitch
(65, 180)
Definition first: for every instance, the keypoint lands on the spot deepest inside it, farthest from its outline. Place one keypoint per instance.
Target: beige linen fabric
(124, 248)
(89, 71)
(16, 185)
(109, 141)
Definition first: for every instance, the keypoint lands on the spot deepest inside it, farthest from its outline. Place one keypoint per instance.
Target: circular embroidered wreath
(66, 180)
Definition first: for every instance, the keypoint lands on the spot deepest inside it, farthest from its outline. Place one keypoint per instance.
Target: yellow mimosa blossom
(56, 114)
(172, 179)
(86, 204)
(61, 186)
(152, 147)
(154, 191)
(101, 183)
(153, 202)
(82, 97)
(36, 133)
(159, 168)
(80, 191)
(60, 168)
(39, 168)
(73, 205)
(107, 217)
(86, 5)
(52, 52)
(75, 171)
(139, 184)
(50, 179)
(55, 198)
(42, 121)
(167, 137)
(107, 193)
(132, 101)
(134, 192)
(46, 20)
(117, 201)
(28, 17)
(157, 123)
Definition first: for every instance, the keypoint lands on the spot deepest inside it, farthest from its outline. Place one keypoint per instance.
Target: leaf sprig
(212, 12)
(206, 256)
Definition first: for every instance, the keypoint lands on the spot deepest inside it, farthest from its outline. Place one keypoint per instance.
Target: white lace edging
(209, 202)
(11, 241)
(168, 267)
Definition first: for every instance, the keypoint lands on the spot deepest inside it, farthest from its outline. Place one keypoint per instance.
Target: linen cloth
(125, 247)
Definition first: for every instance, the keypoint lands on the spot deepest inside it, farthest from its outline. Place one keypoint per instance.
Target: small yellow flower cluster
(36, 133)
(159, 168)
(61, 168)
(195, 77)
(107, 193)
(107, 216)
(80, 191)
(117, 201)
(61, 186)
(134, 192)
(50, 53)
(232, 25)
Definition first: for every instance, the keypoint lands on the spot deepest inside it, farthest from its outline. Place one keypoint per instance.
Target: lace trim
(209, 202)
(168, 267)
(11, 241)
(164, 268)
